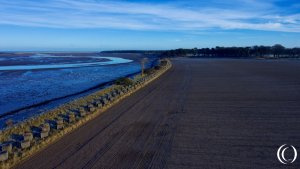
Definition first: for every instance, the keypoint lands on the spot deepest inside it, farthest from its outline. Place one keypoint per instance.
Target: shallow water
(111, 61)
(26, 85)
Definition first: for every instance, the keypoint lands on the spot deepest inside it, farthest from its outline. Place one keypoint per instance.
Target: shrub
(157, 67)
(163, 63)
(149, 71)
(124, 81)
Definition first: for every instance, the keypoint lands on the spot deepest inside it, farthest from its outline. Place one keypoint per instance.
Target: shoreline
(99, 86)
(105, 61)
(36, 144)
(75, 95)
(197, 108)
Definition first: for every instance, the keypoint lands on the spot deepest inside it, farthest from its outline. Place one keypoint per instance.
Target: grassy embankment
(19, 142)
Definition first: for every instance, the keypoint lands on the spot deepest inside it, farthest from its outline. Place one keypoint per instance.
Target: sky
(95, 25)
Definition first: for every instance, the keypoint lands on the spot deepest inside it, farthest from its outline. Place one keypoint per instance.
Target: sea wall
(19, 142)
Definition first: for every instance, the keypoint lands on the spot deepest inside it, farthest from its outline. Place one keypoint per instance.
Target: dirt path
(200, 114)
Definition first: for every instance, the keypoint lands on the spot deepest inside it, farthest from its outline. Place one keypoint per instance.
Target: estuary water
(111, 61)
(52, 81)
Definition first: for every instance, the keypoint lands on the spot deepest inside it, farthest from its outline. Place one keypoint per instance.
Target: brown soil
(201, 114)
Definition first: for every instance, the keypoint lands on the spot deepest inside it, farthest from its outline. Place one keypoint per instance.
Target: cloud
(169, 16)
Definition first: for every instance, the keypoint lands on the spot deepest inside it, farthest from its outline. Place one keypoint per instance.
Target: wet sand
(218, 113)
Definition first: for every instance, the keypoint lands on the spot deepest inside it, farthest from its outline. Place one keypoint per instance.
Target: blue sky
(93, 25)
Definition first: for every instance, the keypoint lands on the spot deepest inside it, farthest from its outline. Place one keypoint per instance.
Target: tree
(142, 62)
(236, 52)
(278, 50)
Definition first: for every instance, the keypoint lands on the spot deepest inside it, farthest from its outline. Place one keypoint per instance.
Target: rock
(23, 144)
(43, 134)
(59, 124)
(6, 146)
(59, 121)
(81, 109)
(124, 90)
(98, 104)
(91, 109)
(70, 117)
(45, 127)
(28, 136)
(104, 101)
(108, 97)
(70, 120)
(3, 156)
(113, 94)
(112, 98)
(119, 92)
(82, 113)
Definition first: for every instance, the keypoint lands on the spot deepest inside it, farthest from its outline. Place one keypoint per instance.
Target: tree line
(276, 51)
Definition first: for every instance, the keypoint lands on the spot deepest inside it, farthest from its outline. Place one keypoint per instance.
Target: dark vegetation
(124, 81)
(135, 51)
(276, 51)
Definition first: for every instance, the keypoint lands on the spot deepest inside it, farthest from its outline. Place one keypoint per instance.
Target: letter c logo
(281, 154)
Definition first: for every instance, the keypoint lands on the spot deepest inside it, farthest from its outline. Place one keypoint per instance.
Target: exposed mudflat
(203, 113)
(33, 84)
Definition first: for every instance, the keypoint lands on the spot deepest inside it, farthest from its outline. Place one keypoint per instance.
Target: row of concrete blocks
(103, 100)
(23, 141)
(6, 148)
(44, 129)
(57, 124)
(97, 104)
(106, 99)
(69, 118)
(19, 141)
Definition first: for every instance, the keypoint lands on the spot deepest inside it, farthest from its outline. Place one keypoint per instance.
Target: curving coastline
(111, 61)
(48, 104)
(66, 118)
(99, 86)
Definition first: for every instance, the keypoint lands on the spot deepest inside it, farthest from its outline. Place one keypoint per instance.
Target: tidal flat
(33, 83)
